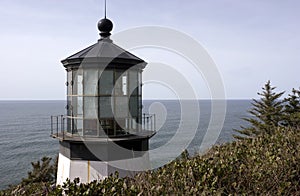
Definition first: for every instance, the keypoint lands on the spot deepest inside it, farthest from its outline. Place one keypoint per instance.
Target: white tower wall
(88, 171)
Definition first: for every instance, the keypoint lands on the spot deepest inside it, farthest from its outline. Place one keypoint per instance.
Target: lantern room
(104, 89)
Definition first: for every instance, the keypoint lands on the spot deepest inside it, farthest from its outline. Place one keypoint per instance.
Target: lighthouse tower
(104, 129)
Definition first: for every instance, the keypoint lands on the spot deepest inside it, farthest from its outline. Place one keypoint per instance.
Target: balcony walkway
(146, 130)
(64, 136)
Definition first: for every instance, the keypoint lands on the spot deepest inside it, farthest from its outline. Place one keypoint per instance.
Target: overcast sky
(251, 41)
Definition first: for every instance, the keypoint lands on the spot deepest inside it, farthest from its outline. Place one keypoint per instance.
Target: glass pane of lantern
(79, 126)
(133, 106)
(69, 106)
(106, 82)
(106, 107)
(90, 82)
(121, 110)
(74, 124)
(79, 85)
(74, 84)
(124, 84)
(69, 83)
(118, 83)
(90, 107)
(133, 83)
(79, 106)
(74, 106)
(77, 82)
(140, 83)
(90, 127)
(69, 125)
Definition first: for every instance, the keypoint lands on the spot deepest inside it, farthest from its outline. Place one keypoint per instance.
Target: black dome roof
(104, 52)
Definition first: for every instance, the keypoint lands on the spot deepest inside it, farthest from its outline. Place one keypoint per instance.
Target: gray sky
(251, 41)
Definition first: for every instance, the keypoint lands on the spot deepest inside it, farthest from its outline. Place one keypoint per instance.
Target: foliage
(265, 165)
(39, 181)
(268, 165)
(292, 109)
(38, 188)
(43, 171)
(266, 113)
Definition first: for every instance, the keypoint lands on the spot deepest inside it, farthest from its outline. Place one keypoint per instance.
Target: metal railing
(58, 125)
(148, 123)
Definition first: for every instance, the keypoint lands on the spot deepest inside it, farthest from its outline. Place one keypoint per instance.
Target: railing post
(138, 124)
(154, 122)
(151, 123)
(51, 125)
(147, 122)
(63, 126)
(63, 123)
(57, 126)
(144, 121)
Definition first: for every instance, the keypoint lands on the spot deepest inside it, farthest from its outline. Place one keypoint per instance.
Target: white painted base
(89, 171)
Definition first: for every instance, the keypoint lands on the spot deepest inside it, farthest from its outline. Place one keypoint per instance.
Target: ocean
(25, 131)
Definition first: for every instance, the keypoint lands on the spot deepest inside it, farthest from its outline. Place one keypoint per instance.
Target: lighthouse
(104, 129)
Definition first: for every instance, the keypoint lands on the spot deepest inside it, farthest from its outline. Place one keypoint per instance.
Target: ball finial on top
(105, 26)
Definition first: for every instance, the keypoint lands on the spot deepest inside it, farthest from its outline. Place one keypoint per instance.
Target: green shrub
(268, 165)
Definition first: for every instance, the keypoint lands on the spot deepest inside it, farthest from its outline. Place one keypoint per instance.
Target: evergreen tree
(292, 109)
(43, 171)
(266, 113)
